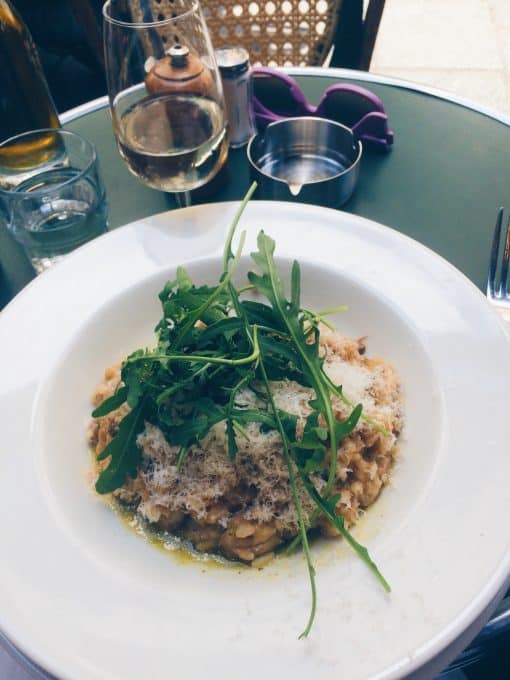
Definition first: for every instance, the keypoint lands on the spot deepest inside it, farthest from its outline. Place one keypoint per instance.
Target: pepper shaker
(178, 71)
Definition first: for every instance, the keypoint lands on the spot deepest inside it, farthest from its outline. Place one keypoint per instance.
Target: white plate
(86, 598)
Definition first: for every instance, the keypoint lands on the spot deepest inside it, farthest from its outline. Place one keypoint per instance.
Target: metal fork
(498, 291)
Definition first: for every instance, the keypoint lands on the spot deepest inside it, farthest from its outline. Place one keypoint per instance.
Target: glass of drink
(166, 97)
(52, 203)
(25, 99)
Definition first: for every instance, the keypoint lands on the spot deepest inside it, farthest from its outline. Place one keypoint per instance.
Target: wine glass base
(183, 199)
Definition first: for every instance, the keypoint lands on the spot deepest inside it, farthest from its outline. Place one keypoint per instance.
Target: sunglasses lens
(275, 95)
(346, 107)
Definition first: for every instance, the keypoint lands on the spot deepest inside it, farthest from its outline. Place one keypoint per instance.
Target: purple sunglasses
(277, 96)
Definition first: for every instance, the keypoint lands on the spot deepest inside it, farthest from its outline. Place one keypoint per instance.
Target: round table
(441, 184)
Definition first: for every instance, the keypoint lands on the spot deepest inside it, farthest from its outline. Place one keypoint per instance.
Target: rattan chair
(284, 32)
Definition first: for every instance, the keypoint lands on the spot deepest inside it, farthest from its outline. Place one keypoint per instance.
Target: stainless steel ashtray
(306, 159)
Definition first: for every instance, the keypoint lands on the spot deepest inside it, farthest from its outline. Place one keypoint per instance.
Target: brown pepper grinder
(178, 71)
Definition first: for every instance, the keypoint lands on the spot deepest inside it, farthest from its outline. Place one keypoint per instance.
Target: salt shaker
(235, 71)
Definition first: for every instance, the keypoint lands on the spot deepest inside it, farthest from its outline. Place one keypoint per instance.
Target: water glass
(54, 202)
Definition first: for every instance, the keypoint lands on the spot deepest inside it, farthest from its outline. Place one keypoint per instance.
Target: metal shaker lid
(178, 55)
(232, 61)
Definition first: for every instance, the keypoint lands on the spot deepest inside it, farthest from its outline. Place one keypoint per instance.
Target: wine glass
(166, 97)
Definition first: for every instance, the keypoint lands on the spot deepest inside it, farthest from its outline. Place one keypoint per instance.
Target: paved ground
(462, 46)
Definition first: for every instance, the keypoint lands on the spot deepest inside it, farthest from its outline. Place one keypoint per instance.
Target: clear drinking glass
(166, 97)
(54, 202)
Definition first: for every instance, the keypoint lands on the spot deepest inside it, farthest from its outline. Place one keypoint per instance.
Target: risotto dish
(244, 509)
(252, 425)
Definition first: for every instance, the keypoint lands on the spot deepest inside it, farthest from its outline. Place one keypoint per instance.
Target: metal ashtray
(308, 159)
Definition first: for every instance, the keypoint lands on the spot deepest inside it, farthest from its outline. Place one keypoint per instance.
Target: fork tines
(497, 289)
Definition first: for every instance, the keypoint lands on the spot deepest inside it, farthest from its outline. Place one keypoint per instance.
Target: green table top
(441, 184)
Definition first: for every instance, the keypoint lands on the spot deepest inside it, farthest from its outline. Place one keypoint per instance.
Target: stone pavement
(462, 46)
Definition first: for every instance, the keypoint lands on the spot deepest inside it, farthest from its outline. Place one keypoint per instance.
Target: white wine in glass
(166, 98)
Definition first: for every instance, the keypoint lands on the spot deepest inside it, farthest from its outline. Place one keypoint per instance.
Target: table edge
(351, 74)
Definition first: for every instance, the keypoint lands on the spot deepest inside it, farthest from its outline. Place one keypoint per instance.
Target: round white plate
(85, 598)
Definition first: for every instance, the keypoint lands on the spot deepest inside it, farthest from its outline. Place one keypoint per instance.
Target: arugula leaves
(111, 403)
(306, 343)
(211, 344)
(124, 454)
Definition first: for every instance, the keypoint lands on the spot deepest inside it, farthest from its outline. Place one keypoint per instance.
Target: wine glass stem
(183, 199)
